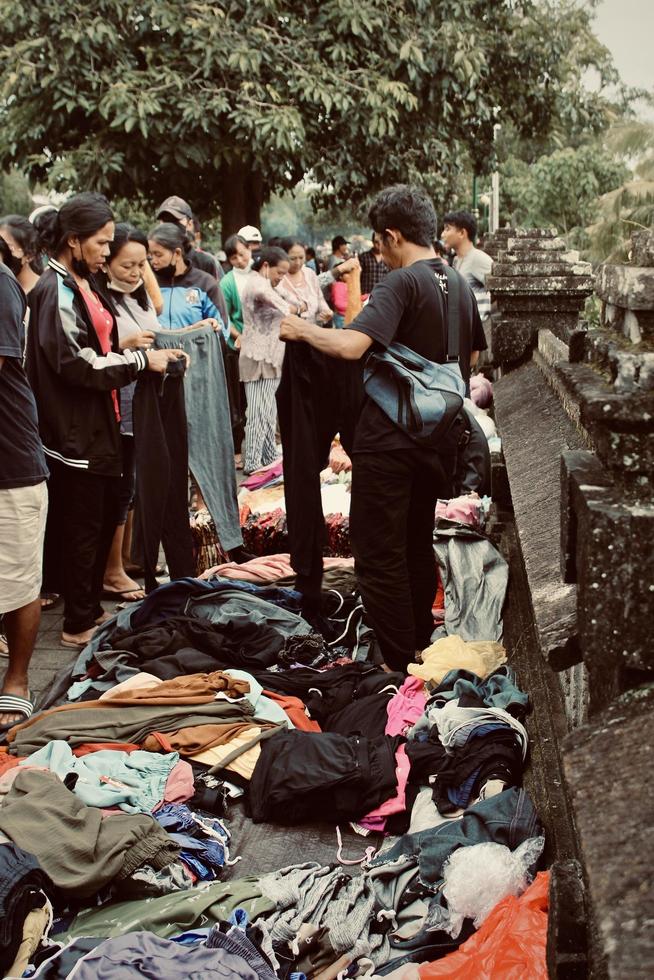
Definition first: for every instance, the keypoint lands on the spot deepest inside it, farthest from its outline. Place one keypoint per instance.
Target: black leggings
(82, 519)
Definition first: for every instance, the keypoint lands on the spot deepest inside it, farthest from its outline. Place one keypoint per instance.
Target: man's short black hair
(338, 241)
(407, 209)
(462, 220)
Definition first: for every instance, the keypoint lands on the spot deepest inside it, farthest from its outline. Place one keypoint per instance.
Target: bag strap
(453, 297)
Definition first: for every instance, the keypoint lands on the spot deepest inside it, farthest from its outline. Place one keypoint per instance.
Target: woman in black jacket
(75, 368)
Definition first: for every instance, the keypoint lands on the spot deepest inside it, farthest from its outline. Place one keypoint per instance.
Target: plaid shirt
(372, 271)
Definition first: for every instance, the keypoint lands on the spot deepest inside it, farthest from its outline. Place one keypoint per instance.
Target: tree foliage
(15, 197)
(561, 189)
(226, 101)
(630, 206)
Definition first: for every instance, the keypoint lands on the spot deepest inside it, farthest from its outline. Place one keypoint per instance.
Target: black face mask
(80, 267)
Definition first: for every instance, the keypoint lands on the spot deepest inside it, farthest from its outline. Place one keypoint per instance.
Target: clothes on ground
(454, 653)
(475, 577)
(24, 886)
(78, 850)
(133, 781)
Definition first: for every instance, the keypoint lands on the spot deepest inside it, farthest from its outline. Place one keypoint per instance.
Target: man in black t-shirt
(395, 482)
(23, 504)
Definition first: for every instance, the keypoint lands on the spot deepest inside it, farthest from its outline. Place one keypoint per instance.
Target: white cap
(250, 233)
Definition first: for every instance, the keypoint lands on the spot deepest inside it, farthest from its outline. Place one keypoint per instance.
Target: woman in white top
(300, 284)
(137, 322)
(262, 353)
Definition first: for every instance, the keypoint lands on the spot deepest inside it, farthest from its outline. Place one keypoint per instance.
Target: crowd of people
(136, 372)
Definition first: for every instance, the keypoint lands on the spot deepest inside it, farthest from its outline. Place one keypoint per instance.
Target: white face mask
(125, 287)
(243, 272)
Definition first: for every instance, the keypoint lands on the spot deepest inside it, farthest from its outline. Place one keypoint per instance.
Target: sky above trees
(626, 27)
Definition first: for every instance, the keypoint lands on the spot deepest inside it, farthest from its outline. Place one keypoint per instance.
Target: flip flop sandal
(124, 596)
(73, 644)
(49, 599)
(11, 704)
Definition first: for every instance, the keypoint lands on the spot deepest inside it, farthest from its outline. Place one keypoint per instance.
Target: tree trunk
(241, 198)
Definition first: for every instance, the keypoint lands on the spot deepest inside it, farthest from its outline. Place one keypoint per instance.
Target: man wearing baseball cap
(340, 251)
(252, 236)
(179, 212)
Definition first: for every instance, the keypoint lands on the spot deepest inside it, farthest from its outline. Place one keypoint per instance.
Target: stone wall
(574, 405)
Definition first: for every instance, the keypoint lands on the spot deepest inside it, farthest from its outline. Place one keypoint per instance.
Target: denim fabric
(172, 598)
(210, 443)
(499, 690)
(234, 605)
(203, 841)
(508, 818)
(22, 883)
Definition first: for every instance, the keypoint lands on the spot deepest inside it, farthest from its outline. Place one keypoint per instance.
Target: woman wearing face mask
(191, 297)
(137, 323)
(20, 235)
(233, 285)
(76, 369)
(300, 284)
(262, 353)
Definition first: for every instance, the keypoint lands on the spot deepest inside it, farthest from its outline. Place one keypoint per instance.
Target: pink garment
(179, 785)
(264, 570)
(481, 390)
(406, 707)
(267, 569)
(465, 510)
(264, 476)
(376, 819)
(339, 297)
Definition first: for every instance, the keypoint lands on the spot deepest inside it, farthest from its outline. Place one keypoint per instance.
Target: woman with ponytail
(76, 369)
(22, 239)
(191, 297)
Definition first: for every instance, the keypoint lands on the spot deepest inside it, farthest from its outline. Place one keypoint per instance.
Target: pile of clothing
(212, 724)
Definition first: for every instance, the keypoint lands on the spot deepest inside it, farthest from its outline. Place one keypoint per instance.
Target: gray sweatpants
(210, 444)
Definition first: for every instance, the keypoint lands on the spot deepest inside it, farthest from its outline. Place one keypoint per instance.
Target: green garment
(178, 912)
(233, 303)
(79, 850)
(107, 721)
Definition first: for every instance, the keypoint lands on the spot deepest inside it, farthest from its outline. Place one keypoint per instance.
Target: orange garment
(296, 711)
(8, 761)
(90, 747)
(157, 742)
(198, 738)
(190, 689)
(354, 304)
(509, 944)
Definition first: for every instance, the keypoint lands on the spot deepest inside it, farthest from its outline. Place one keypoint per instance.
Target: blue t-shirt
(22, 461)
(192, 297)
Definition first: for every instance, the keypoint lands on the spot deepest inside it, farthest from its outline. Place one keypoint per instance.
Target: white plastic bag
(478, 877)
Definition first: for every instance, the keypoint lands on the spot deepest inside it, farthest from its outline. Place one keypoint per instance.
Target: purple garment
(142, 954)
